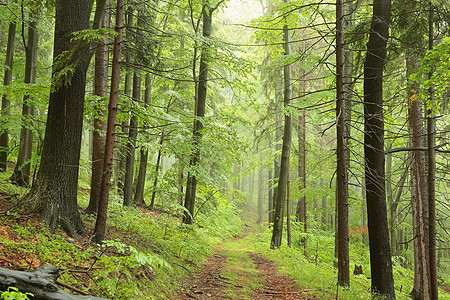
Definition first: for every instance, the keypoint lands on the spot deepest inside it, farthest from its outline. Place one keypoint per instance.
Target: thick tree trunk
(200, 105)
(40, 282)
(285, 152)
(100, 225)
(9, 57)
(54, 193)
(99, 138)
(380, 254)
(341, 168)
(22, 170)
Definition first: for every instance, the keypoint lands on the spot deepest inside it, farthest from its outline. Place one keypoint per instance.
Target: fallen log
(40, 282)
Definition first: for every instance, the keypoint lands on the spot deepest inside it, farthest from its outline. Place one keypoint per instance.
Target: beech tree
(200, 104)
(283, 178)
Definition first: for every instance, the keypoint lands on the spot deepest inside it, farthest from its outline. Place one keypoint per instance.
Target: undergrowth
(146, 255)
(316, 270)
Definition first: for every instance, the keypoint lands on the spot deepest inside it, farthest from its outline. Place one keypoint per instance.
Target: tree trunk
(301, 213)
(40, 282)
(288, 214)
(421, 289)
(9, 57)
(157, 169)
(285, 152)
(431, 139)
(200, 105)
(122, 150)
(260, 193)
(341, 169)
(380, 254)
(131, 145)
(22, 170)
(99, 138)
(139, 195)
(54, 193)
(100, 225)
(270, 191)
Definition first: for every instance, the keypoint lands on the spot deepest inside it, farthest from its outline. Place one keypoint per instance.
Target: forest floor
(236, 271)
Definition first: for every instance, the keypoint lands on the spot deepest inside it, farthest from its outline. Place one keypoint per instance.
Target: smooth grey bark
(140, 185)
(200, 105)
(277, 232)
(9, 57)
(380, 254)
(158, 167)
(22, 170)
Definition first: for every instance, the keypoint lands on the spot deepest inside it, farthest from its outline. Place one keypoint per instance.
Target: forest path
(235, 271)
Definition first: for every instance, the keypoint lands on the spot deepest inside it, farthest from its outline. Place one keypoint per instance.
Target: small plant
(13, 294)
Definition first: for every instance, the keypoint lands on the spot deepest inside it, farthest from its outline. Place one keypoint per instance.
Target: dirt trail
(235, 271)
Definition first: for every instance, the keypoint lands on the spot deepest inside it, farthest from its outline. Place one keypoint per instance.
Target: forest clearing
(225, 149)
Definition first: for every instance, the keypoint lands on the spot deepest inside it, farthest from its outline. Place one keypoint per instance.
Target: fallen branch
(41, 283)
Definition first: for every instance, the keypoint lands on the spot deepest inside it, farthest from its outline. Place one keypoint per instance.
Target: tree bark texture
(99, 139)
(277, 233)
(431, 140)
(9, 57)
(202, 87)
(122, 155)
(54, 193)
(341, 157)
(40, 282)
(22, 170)
(419, 198)
(100, 224)
(380, 254)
